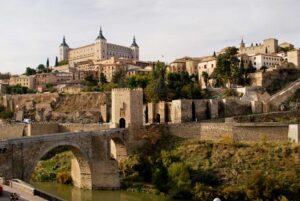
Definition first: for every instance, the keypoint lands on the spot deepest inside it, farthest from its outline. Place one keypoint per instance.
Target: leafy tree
(102, 78)
(264, 68)
(90, 80)
(63, 62)
(118, 78)
(41, 69)
(30, 71)
(227, 70)
(136, 81)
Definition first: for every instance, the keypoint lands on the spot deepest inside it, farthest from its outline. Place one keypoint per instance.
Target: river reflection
(68, 192)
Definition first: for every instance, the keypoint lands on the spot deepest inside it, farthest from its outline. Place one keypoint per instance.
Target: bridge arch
(80, 165)
(118, 149)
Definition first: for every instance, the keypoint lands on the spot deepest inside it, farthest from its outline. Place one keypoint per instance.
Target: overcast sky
(32, 30)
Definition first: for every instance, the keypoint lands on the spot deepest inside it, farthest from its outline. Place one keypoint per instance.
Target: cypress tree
(56, 61)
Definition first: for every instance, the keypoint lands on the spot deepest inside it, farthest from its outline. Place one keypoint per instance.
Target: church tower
(63, 50)
(135, 50)
(100, 47)
(242, 45)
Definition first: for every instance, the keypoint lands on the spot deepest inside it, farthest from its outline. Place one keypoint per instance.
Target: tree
(47, 63)
(90, 80)
(41, 68)
(118, 77)
(160, 89)
(102, 78)
(30, 71)
(264, 68)
(63, 62)
(56, 61)
(227, 70)
(205, 77)
(136, 81)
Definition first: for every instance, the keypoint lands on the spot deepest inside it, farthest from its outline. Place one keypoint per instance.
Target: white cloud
(31, 30)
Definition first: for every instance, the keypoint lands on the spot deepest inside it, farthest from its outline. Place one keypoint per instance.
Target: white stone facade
(99, 50)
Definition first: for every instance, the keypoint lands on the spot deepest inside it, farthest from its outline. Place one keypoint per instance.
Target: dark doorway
(122, 123)
(167, 113)
(157, 118)
(193, 112)
(146, 115)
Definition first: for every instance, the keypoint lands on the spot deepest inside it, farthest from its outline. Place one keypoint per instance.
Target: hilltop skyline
(34, 29)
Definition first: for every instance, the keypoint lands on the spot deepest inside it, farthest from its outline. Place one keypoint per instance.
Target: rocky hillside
(67, 108)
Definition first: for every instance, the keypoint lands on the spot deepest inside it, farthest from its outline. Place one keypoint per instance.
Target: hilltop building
(269, 46)
(99, 50)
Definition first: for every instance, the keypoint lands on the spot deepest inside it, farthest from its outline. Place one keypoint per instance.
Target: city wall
(253, 132)
(206, 131)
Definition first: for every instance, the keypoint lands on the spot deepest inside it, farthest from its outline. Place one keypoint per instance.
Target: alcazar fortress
(99, 50)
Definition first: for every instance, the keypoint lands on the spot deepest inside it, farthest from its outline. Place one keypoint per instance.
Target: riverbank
(23, 196)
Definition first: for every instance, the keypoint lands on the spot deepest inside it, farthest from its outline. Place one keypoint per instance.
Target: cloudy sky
(31, 30)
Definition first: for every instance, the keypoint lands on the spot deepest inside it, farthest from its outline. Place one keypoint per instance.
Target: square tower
(127, 107)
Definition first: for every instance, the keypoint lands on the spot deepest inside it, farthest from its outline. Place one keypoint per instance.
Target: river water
(69, 192)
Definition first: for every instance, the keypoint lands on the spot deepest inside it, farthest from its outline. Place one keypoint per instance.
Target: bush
(202, 192)
(179, 180)
(230, 93)
(64, 178)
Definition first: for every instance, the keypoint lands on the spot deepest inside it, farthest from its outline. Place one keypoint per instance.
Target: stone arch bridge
(93, 166)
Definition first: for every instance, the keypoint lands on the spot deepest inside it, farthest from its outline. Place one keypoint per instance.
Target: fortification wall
(252, 132)
(10, 131)
(42, 128)
(78, 127)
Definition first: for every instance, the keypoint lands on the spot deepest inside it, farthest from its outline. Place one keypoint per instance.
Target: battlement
(126, 89)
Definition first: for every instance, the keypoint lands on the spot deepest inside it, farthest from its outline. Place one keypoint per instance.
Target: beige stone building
(179, 65)
(268, 46)
(26, 81)
(109, 66)
(294, 57)
(208, 65)
(188, 64)
(99, 50)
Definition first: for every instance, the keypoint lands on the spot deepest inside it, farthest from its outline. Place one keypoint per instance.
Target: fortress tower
(135, 49)
(127, 107)
(100, 47)
(63, 50)
(269, 46)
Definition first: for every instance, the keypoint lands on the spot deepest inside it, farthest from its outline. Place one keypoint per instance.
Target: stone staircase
(280, 97)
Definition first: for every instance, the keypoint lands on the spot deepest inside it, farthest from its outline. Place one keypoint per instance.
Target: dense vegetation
(201, 170)
(54, 167)
(157, 86)
(18, 89)
(286, 77)
(5, 113)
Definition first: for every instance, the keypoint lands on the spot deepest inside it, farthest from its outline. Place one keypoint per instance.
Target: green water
(69, 192)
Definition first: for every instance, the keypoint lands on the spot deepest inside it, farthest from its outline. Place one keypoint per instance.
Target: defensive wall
(242, 132)
(255, 131)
